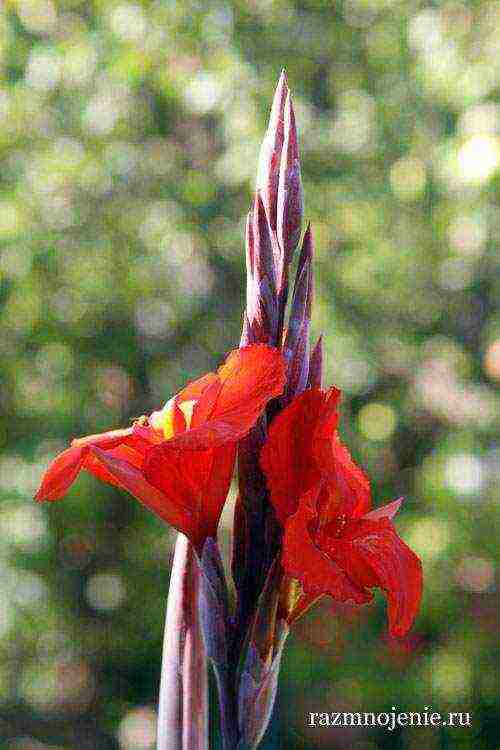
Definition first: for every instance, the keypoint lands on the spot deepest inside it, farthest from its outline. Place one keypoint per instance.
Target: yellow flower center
(187, 408)
(163, 420)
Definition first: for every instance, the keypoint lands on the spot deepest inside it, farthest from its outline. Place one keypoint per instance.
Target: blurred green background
(129, 137)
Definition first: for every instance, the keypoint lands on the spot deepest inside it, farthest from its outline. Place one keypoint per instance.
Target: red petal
(104, 439)
(373, 550)
(315, 570)
(197, 480)
(65, 468)
(61, 474)
(193, 391)
(352, 484)
(250, 377)
(287, 456)
(130, 478)
(143, 438)
(205, 406)
(94, 466)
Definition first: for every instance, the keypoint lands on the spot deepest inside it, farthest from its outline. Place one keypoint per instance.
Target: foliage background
(129, 136)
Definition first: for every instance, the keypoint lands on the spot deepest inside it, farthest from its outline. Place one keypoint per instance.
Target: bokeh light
(138, 729)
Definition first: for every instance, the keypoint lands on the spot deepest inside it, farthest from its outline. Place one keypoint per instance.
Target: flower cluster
(303, 527)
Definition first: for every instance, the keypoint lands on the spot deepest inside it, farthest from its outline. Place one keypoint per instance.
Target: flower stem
(228, 711)
(183, 702)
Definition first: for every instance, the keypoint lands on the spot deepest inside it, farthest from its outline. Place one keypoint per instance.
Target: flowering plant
(303, 524)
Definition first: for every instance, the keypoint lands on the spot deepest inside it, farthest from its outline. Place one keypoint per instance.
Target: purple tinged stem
(183, 702)
(215, 625)
(262, 631)
(249, 246)
(258, 689)
(250, 301)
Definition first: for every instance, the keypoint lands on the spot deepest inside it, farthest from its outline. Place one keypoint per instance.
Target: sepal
(268, 173)
(260, 663)
(213, 603)
(290, 197)
(315, 379)
(296, 345)
(262, 301)
(258, 688)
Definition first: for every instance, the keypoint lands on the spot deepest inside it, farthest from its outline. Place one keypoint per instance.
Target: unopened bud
(289, 207)
(270, 152)
(296, 345)
(257, 690)
(316, 366)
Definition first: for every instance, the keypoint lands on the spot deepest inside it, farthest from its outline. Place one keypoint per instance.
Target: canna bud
(279, 181)
(296, 345)
(268, 172)
(290, 198)
(257, 690)
(315, 379)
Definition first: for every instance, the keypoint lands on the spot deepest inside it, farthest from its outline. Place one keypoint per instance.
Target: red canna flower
(333, 543)
(179, 461)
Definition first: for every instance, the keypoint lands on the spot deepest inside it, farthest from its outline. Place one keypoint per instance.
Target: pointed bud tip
(303, 278)
(258, 205)
(289, 205)
(317, 352)
(281, 93)
(307, 242)
(316, 365)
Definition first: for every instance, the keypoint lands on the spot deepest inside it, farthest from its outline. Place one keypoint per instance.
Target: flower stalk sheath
(183, 699)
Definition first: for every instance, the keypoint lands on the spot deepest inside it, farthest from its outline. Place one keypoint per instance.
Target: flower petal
(194, 390)
(98, 469)
(286, 457)
(197, 480)
(250, 377)
(65, 468)
(351, 483)
(303, 560)
(375, 548)
(61, 474)
(130, 478)
(104, 439)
